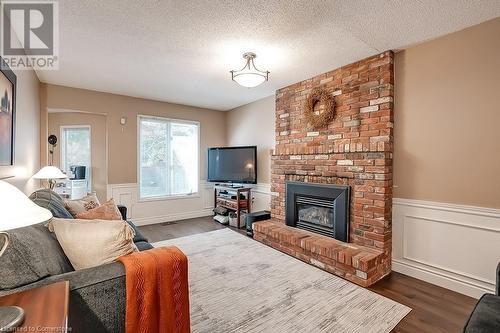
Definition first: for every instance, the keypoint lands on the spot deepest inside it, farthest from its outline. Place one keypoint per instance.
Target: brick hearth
(357, 264)
(355, 149)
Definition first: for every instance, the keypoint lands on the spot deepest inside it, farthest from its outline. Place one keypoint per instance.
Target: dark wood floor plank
(434, 309)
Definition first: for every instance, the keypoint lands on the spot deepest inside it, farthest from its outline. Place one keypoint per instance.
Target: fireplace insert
(319, 208)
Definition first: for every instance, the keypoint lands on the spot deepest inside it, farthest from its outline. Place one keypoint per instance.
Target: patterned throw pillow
(90, 205)
(106, 211)
(84, 204)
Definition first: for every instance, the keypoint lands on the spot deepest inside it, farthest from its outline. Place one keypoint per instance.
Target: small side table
(45, 308)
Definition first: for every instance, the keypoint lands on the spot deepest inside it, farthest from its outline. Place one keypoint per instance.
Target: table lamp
(50, 173)
(16, 211)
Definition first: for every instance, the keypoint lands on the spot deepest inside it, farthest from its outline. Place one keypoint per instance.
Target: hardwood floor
(176, 229)
(434, 309)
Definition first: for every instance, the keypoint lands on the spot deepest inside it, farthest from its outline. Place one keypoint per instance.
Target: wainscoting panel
(261, 197)
(144, 212)
(208, 195)
(453, 246)
(173, 209)
(123, 194)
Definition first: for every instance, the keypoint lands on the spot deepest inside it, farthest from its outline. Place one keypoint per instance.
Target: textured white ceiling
(181, 51)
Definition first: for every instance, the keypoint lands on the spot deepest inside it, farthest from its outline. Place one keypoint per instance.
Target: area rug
(240, 285)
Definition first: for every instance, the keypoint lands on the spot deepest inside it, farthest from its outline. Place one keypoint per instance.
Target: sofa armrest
(498, 280)
(139, 237)
(123, 211)
(97, 298)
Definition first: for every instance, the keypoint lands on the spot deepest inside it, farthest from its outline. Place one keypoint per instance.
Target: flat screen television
(232, 165)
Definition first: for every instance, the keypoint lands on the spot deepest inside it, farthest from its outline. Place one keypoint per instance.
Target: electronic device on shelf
(232, 165)
(77, 172)
(227, 195)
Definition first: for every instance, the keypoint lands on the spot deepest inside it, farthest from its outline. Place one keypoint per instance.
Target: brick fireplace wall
(354, 149)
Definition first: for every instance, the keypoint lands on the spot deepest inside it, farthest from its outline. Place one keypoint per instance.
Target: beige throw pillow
(84, 204)
(90, 243)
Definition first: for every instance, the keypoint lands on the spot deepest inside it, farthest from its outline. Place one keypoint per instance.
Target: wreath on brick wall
(322, 119)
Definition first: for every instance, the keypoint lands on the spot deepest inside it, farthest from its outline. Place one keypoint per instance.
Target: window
(75, 149)
(168, 157)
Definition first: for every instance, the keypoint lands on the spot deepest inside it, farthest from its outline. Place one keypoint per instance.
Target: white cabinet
(72, 189)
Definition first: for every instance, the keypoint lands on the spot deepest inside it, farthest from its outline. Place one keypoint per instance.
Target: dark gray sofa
(35, 258)
(486, 315)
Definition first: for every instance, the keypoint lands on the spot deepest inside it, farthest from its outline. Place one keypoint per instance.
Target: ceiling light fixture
(249, 76)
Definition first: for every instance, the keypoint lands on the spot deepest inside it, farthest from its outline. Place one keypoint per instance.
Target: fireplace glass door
(315, 215)
(318, 208)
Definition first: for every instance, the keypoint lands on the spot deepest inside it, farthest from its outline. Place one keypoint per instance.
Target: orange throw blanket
(157, 291)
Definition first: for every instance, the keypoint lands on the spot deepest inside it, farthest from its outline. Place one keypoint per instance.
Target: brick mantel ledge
(361, 265)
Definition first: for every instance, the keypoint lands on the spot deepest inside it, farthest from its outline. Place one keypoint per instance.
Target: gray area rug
(240, 285)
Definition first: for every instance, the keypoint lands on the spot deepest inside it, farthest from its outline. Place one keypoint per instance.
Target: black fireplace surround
(319, 208)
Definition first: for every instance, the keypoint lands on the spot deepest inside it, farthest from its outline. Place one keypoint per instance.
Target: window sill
(170, 197)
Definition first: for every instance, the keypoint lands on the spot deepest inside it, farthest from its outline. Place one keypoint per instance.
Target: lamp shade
(49, 172)
(17, 210)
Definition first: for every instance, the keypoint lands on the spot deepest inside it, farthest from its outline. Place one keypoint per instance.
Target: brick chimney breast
(355, 149)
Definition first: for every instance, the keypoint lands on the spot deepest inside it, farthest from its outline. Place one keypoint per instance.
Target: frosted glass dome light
(249, 76)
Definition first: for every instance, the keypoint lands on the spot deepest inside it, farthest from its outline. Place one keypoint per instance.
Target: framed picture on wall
(7, 114)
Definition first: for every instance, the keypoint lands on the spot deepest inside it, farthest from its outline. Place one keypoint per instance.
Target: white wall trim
(475, 210)
(467, 225)
(264, 188)
(450, 245)
(58, 110)
(261, 197)
(162, 210)
(435, 276)
(124, 185)
(172, 217)
(172, 209)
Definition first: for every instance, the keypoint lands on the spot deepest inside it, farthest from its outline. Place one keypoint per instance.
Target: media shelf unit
(233, 200)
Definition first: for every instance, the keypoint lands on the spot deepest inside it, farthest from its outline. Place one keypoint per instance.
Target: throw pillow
(52, 201)
(90, 243)
(107, 211)
(88, 202)
(33, 254)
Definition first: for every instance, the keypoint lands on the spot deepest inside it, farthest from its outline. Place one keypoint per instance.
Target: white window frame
(169, 196)
(63, 151)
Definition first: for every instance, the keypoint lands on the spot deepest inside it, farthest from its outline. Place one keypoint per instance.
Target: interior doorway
(82, 142)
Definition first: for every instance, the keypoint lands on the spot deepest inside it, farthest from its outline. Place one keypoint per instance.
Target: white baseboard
(141, 221)
(158, 211)
(162, 210)
(431, 275)
(452, 246)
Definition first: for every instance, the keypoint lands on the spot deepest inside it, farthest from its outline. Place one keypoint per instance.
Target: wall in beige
(253, 124)
(122, 147)
(446, 118)
(122, 140)
(446, 159)
(27, 140)
(98, 132)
